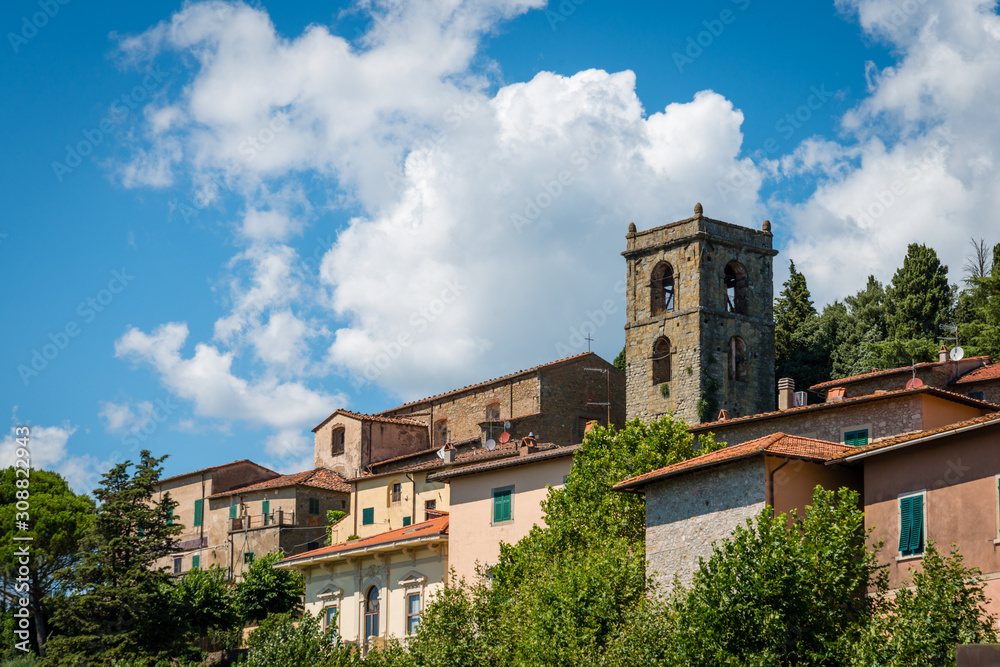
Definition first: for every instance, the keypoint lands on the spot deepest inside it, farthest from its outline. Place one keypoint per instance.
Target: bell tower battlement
(699, 332)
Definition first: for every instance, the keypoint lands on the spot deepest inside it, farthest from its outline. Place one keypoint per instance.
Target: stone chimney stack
(786, 393)
(943, 354)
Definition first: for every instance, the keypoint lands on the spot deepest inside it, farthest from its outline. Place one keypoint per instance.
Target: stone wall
(685, 515)
(699, 328)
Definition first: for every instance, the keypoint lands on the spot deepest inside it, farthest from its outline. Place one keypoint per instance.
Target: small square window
(314, 505)
(978, 395)
(407, 520)
(248, 558)
(857, 438)
(367, 516)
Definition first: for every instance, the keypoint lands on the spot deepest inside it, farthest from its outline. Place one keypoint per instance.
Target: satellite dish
(440, 453)
(491, 444)
(914, 383)
(506, 425)
(956, 353)
(504, 437)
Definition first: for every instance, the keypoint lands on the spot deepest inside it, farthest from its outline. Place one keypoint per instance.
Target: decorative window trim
(923, 524)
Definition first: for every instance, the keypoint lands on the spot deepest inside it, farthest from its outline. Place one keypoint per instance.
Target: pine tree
(792, 309)
(978, 311)
(919, 297)
(125, 607)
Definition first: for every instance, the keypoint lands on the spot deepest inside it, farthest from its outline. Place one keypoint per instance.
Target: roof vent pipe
(786, 393)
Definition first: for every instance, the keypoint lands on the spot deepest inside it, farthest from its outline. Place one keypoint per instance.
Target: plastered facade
(376, 493)
(700, 327)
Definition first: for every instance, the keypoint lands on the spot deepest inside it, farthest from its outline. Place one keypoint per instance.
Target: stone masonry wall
(685, 515)
(699, 328)
(883, 418)
(569, 392)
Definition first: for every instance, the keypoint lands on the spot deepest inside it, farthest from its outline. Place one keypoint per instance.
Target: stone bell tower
(699, 332)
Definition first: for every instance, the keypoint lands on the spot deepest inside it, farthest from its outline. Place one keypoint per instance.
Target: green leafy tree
(813, 345)
(919, 297)
(59, 519)
(619, 361)
(266, 589)
(978, 311)
(120, 599)
(205, 601)
(290, 639)
(776, 593)
(447, 635)
(856, 351)
(920, 627)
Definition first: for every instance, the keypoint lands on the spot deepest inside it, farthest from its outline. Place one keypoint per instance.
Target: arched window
(337, 444)
(737, 359)
(662, 296)
(493, 412)
(393, 493)
(661, 360)
(371, 613)
(736, 288)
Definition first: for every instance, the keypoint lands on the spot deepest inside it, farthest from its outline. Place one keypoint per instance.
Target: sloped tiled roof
(319, 478)
(213, 468)
(778, 444)
(926, 389)
(433, 528)
(371, 418)
(914, 437)
(485, 383)
(890, 371)
(506, 462)
(981, 374)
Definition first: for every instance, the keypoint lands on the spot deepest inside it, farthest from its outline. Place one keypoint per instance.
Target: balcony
(249, 522)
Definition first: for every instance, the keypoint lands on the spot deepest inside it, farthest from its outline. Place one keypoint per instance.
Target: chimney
(723, 416)
(449, 454)
(590, 426)
(786, 393)
(835, 394)
(528, 445)
(943, 353)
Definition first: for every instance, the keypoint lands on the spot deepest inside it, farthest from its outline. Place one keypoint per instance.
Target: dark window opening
(661, 360)
(662, 289)
(429, 505)
(737, 359)
(978, 395)
(337, 447)
(397, 493)
(736, 284)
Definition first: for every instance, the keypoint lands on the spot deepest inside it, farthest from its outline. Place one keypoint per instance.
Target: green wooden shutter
(195, 560)
(861, 438)
(501, 506)
(198, 506)
(265, 508)
(368, 516)
(232, 511)
(904, 523)
(407, 520)
(916, 524)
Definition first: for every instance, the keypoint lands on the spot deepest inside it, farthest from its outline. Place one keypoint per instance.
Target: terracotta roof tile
(889, 371)
(485, 383)
(319, 478)
(371, 418)
(926, 389)
(211, 468)
(777, 443)
(919, 435)
(989, 372)
(438, 526)
(506, 462)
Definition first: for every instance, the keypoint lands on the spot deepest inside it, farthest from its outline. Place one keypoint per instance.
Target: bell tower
(699, 332)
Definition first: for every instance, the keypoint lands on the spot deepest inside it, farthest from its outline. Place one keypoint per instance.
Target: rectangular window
(397, 493)
(978, 395)
(265, 509)
(330, 621)
(195, 561)
(412, 613)
(911, 525)
(314, 505)
(199, 506)
(501, 505)
(232, 511)
(857, 438)
(337, 446)
(367, 516)
(178, 565)
(429, 505)
(248, 558)
(407, 520)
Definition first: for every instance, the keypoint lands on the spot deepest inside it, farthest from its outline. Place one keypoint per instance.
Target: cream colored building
(372, 588)
(499, 501)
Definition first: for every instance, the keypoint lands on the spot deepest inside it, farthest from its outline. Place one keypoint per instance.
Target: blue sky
(224, 221)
